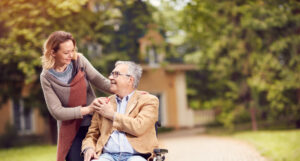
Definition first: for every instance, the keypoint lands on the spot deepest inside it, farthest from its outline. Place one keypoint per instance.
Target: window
(22, 118)
(162, 115)
(159, 109)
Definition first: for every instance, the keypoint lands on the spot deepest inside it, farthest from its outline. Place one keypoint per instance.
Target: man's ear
(132, 79)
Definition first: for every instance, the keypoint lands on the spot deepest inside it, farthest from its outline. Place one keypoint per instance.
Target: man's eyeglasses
(116, 74)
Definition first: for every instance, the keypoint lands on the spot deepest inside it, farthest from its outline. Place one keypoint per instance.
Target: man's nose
(110, 77)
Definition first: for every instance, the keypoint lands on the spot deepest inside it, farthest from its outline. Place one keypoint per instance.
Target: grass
(277, 142)
(283, 145)
(29, 153)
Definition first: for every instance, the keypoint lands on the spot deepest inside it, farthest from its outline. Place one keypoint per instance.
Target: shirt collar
(119, 100)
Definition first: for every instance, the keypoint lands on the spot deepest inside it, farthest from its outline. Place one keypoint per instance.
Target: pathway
(190, 145)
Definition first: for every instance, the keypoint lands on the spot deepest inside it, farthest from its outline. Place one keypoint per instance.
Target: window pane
(160, 108)
(17, 114)
(28, 121)
(22, 117)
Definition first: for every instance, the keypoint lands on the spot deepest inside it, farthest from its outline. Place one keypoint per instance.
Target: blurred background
(220, 68)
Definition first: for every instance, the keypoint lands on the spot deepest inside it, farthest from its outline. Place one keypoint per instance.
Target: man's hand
(90, 154)
(101, 100)
(105, 109)
(90, 108)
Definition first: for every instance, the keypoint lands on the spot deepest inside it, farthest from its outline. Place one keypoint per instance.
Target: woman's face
(64, 54)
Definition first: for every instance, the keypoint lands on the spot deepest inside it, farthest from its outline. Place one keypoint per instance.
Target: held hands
(90, 154)
(90, 108)
(104, 108)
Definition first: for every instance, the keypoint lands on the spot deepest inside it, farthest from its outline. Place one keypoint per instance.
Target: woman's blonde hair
(52, 45)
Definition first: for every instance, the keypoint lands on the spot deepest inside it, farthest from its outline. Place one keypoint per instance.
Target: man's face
(119, 79)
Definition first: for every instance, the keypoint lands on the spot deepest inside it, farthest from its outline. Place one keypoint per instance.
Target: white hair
(134, 70)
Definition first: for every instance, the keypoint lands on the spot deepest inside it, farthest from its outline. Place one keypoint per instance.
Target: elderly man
(123, 126)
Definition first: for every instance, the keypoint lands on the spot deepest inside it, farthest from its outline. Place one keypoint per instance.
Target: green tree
(136, 17)
(25, 25)
(249, 51)
(167, 17)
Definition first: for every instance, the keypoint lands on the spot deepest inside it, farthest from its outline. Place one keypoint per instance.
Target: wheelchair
(159, 154)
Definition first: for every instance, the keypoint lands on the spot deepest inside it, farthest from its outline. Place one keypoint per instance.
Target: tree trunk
(253, 118)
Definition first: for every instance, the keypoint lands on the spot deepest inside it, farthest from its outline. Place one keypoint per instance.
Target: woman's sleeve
(54, 105)
(96, 78)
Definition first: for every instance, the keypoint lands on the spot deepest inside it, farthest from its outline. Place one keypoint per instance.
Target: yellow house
(168, 83)
(26, 122)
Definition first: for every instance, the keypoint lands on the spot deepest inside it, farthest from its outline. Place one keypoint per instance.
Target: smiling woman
(64, 55)
(66, 82)
(59, 42)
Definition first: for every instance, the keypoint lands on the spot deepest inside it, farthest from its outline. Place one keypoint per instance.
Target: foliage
(167, 17)
(248, 54)
(105, 31)
(271, 143)
(10, 137)
(25, 26)
(133, 25)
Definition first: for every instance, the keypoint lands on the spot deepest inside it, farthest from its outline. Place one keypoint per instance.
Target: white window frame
(23, 131)
(163, 108)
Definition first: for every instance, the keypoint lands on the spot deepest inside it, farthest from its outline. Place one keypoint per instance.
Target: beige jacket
(138, 123)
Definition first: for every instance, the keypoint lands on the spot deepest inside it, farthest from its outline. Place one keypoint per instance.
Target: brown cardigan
(138, 123)
(60, 97)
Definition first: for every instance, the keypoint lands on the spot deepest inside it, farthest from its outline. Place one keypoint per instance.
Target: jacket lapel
(132, 103)
(113, 102)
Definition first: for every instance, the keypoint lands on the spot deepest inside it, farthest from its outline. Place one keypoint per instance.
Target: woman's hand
(86, 110)
(90, 108)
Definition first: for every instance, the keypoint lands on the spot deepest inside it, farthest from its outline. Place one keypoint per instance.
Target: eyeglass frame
(115, 74)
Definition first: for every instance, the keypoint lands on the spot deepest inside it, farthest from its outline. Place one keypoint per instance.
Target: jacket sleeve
(54, 105)
(96, 78)
(145, 119)
(93, 133)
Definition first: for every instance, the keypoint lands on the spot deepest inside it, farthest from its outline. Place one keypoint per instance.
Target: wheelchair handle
(160, 151)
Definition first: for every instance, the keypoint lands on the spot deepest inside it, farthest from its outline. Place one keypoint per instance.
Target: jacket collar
(131, 103)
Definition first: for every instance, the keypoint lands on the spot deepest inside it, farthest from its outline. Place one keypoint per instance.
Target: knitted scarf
(69, 128)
